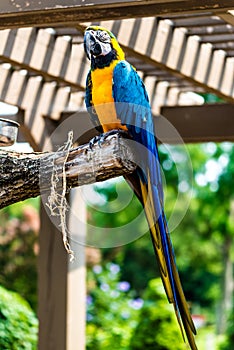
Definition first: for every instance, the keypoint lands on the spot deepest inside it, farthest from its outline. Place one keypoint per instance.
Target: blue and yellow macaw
(116, 99)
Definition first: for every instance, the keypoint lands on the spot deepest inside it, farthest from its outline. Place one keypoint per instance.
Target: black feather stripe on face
(103, 61)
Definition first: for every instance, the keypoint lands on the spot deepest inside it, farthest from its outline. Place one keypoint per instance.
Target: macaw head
(101, 45)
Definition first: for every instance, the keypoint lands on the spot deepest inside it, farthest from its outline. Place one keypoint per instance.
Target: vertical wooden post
(62, 291)
(76, 279)
(52, 287)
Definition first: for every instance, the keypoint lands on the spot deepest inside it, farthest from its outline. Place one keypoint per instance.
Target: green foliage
(138, 263)
(118, 208)
(227, 344)
(157, 328)
(117, 319)
(112, 311)
(211, 98)
(18, 323)
(18, 249)
(201, 240)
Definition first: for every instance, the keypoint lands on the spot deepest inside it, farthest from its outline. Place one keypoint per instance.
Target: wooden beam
(175, 124)
(30, 173)
(209, 122)
(228, 17)
(49, 13)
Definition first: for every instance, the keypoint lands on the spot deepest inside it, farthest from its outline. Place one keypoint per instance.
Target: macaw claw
(100, 139)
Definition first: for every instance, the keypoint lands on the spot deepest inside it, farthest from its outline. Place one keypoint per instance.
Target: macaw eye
(103, 36)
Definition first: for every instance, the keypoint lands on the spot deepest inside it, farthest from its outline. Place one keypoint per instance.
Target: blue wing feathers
(134, 110)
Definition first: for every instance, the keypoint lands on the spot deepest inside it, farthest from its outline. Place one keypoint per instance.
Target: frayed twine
(57, 202)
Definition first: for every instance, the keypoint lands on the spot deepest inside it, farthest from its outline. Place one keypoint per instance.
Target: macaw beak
(91, 45)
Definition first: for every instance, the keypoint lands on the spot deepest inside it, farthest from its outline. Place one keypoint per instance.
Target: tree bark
(26, 175)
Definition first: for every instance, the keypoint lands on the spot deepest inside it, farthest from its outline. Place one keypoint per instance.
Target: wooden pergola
(181, 49)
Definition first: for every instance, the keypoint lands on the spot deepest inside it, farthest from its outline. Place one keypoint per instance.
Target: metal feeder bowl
(8, 132)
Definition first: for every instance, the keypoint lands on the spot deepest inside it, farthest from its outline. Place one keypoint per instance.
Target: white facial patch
(106, 48)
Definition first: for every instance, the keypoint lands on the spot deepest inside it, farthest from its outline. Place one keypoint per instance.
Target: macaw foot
(100, 139)
(94, 140)
(118, 132)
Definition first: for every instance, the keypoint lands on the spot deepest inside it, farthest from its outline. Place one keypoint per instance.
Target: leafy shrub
(18, 250)
(157, 328)
(18, 323)
(112, 310)
(118, 319)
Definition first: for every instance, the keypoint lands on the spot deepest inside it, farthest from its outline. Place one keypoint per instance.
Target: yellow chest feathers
(102, 84)
(102, 99)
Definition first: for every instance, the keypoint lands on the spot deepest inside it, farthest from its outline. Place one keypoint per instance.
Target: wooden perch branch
(26, 175)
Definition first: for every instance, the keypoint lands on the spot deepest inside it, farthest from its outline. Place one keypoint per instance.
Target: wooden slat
(44, 54)
(78, 66)
(76, 101)
(24, 37)
(173, 96)
(217, 68)
(191, 55)
(40, 99)
(4, 38)
(227, 81)
(144, 35)
(204, 60)
(5, 77)
(44, 44)
(15, 89)
(176, 48)
(125, 30)
(60, 55)
(161, 92)
(150, 83)
(198, 20)
(163, 37)
(60, 102)
(44, 104)
(44, 13)
(31, 92)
